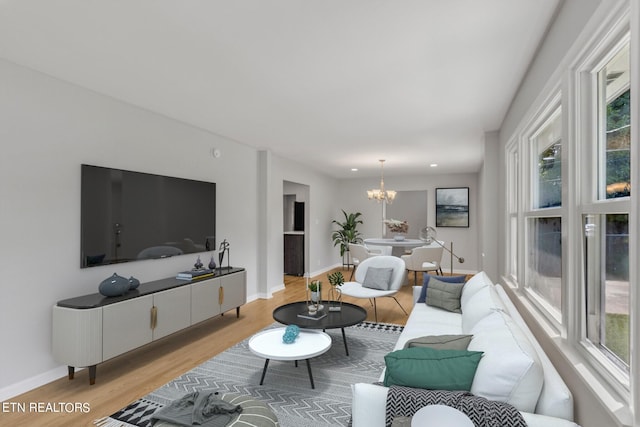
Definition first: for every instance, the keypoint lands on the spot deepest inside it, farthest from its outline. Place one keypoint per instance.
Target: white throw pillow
(510, 370)
(473, 285)
(479, 306)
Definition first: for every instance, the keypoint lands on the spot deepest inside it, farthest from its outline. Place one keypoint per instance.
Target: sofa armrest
(368, 406)
(416, 293)
(368, 409)
(537, 420)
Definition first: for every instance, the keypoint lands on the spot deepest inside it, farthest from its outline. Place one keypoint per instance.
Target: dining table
(398, 247)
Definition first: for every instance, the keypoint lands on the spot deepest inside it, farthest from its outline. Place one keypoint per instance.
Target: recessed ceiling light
(433, 165)
(354, 169)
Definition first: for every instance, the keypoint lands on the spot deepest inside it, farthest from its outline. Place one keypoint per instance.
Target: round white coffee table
(308, 344)
(440, 415)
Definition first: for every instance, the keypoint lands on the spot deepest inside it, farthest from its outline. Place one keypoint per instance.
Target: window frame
(550, 108)
(585, 82)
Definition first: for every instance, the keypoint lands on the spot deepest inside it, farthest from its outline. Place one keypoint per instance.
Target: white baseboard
(32, 383)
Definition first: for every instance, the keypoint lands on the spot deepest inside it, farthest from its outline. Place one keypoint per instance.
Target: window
(606, 217)
(543, 218)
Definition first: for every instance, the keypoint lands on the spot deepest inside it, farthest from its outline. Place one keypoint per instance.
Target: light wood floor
(126, 378)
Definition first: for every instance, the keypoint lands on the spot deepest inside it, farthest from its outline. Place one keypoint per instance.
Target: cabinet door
(234, 291)
(126, 325)
(204, 300)
(173, 311)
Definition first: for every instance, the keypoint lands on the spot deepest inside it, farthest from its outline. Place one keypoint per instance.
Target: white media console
(91, 329)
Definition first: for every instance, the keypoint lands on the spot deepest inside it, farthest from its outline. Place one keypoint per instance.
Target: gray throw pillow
(444, 295)
(441, 342)
(377, 278)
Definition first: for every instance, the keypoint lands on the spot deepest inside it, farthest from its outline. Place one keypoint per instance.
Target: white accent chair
(358, 254)
(356, 290)
(424, 259)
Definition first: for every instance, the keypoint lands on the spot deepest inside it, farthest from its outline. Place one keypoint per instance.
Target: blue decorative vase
(212, 264)
(290, 334)
(114, 286)
(133, 282)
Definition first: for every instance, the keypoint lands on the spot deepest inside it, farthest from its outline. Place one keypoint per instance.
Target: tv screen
(128, 216)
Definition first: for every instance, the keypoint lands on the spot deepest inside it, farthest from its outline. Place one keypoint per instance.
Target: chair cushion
(377, 278)
(441, 342)
(444, 295)
(427, 277)
(424, 367)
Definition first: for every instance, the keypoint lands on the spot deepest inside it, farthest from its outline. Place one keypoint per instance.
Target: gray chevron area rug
(286, 390)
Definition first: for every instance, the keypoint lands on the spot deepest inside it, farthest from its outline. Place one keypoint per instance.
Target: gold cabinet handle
(221, 295)
(154, 317)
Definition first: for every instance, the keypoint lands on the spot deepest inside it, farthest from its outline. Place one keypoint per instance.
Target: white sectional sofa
(513, 368)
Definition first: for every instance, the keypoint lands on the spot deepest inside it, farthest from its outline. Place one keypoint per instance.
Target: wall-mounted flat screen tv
(128, 216)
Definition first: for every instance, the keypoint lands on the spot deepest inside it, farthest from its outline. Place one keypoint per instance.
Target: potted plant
(315, 287)
(347, 232)
(336, 279)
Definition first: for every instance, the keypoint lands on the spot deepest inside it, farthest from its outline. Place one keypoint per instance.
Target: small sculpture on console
(212, 264)
(198, 265)
(224, 247)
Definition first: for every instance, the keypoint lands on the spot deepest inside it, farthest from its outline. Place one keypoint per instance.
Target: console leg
(92, 374)
(71, 371)
(238, 312)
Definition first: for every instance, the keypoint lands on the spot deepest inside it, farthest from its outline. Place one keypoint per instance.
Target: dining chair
(424, 259)
(358, 254)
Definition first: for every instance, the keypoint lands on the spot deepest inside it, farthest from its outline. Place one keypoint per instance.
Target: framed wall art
(452, 207)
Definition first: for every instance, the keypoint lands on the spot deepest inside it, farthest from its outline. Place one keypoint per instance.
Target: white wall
(48, 128)
(353, 198)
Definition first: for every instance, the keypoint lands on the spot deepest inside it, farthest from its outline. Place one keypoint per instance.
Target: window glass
(548, 145)
(607, 270)
(615, 162)
(544, 259)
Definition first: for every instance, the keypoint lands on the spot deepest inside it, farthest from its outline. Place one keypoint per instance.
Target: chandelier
(380, 194)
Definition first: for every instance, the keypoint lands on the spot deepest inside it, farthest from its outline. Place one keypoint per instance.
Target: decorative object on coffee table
(291, 332)
(336, 279)
(114, 286)
(314, 290)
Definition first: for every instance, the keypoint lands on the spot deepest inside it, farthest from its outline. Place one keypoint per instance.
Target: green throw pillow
(444, 295)
(441, 342)
(377, 278)
(428, 368)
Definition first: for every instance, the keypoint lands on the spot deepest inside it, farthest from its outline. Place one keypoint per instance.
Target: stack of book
(195, 274)
(320, 314)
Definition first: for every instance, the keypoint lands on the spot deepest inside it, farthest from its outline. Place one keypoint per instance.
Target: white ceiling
(334, 84)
